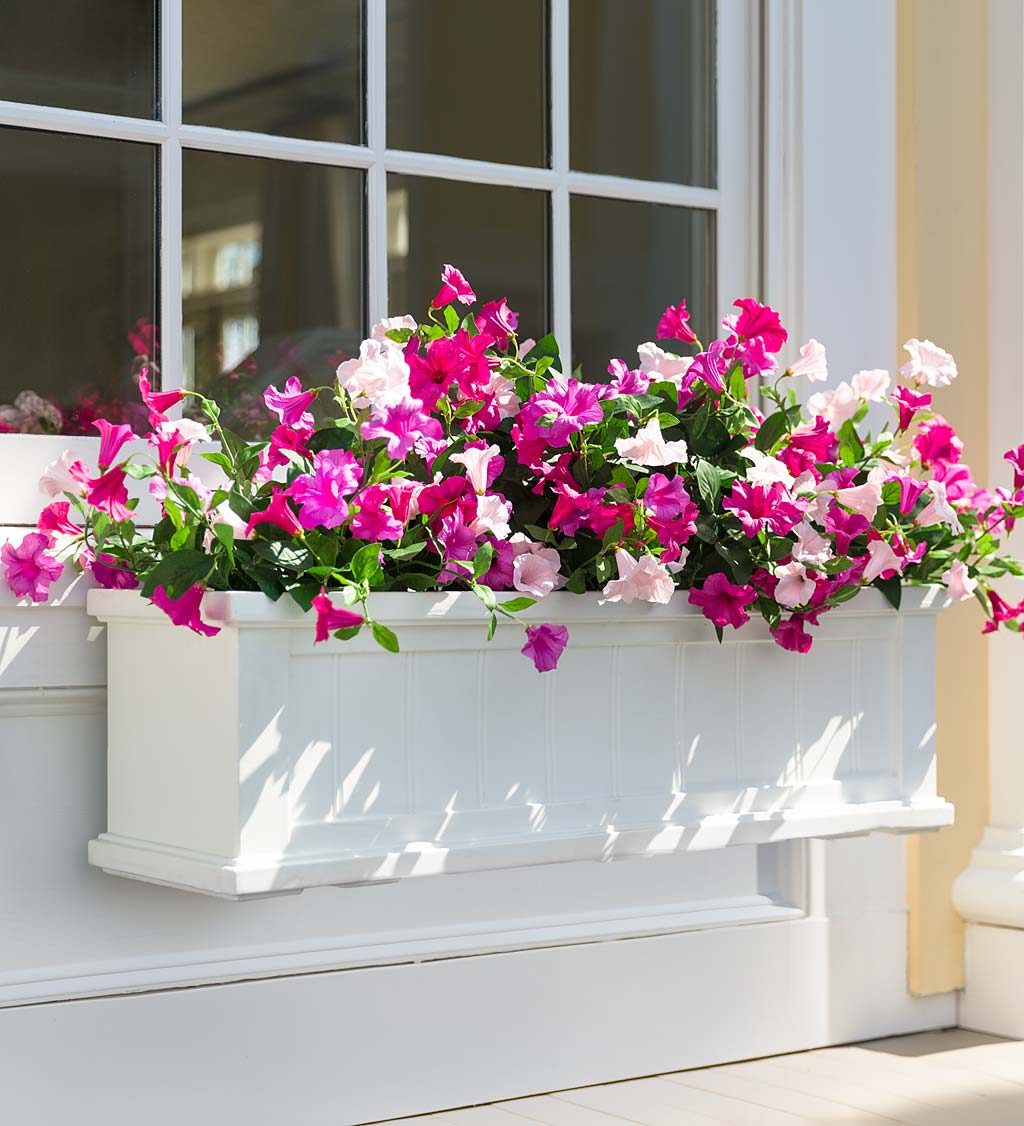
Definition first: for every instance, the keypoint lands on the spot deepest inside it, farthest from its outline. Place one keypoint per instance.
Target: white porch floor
(951, 1078)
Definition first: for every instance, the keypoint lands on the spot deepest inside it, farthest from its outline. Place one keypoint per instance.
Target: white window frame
(735, 202)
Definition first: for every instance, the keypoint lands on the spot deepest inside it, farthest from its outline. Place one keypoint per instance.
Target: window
(288, 174)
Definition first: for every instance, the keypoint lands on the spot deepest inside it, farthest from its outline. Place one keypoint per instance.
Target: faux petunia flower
(724, 603)
(454, 287)
(30, 568)
(545, 645)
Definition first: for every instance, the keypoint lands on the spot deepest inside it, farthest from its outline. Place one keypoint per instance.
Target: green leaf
(711, 481)
(892, 589)
(178, 572)
(470, 407)
(851, 448)
(384, 637)
(451, 318)
(613, 537)
(486, 596)
(492, 627)
(483, 559)
(366, 563)
(517, 605)
(348, 633)
(405, 552)
(141, 472)
(772, 430)
(740, 563)
(737, 384)
(181, 537)
(217, 458)
(546, 346)
(226, 537)
(330, 438)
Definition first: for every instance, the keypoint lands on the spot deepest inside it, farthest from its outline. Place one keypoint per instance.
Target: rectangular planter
(256, 763)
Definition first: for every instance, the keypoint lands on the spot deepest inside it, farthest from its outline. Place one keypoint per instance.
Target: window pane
(272, 277)
(496, 236)
(642, 97)
(629, 261)
(468, 78)
(78, 285)
(98, 56)
(275, 66)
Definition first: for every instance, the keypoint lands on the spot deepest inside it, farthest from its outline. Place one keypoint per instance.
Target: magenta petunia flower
(675, 324)
(321, 495)
(109, 573)
(936, 441)
(1016, 458)
(158, 402)
(545, 645)
(497, 319)
(55, 520)
(374, 521)
(285, 438)
(710, 366)
(431, 375)
(564, 407)
(292, 404)
(112, 438)
(109, 494)
(404, 425)
(29, 568)
(454, 287)
(758, 507)
(279, 513)
(792, 634)
(185, 611)
(760, 320)
(908, 403)
(330, 617)
(665, 496)
(723, 602)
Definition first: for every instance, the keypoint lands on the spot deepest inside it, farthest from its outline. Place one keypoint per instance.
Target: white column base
(989, 894)
(993, 1000)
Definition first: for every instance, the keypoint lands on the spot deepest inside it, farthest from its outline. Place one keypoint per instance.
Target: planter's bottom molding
(288, 765)
(234, 879)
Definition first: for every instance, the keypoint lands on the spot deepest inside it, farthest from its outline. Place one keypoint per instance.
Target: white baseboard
(993, 1000)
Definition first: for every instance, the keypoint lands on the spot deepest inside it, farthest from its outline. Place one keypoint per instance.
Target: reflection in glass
(496, 236)
(275, 66)
(98, 56)
(78, 288)
(468, 78)
(272, 277)
(642, 81)
(629, 261)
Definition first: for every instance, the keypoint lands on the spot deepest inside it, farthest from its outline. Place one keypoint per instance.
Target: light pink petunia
(648, 447)
(644, 578)
(795, 586)
(938, 510)
(112, 438)
(813, 364)
(65, 475)
(928, 363)
(959, 582)
(871, 386)
(482, 465)
(883, 562)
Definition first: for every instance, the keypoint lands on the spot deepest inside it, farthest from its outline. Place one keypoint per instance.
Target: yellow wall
(942, 135)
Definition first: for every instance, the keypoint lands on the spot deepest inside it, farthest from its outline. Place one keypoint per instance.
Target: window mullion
(561, 271)
(171, 365)
(376, 175)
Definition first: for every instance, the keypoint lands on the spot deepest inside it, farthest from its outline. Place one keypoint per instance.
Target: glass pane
(498, 237)
(272, 277)
(98, 56)
(642, 78)
(78, 286)
(468, 78)
(629, 261)
(275, 66)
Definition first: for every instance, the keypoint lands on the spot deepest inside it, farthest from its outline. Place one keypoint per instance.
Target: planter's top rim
(458, 607)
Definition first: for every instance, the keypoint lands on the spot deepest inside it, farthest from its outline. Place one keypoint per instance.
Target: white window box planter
(254, 763)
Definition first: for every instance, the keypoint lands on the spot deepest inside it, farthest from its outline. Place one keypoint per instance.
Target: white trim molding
(989, 894)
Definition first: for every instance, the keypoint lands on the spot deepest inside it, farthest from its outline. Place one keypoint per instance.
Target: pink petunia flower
(1001, 611)
(112, 438)
(29, 568)
(109, 572)
(482, 464)
(792, 635)
(65, 475)
(292, 404)
(109, 494)
(1016, 458)
(675, 324)
(723, 603)
(544, 645)
(536, 569)
(330, 617)
(404, 425)
(758, 508)
(186, 610)
(795, 586)
(375, 521)
(813, 364)
(871, 386)
(845, 527)
(321, 496)
(158, 402)
(279, 513)
(711, 366)
(938, 510)
(648, 447)
(55, 520)
(928, 363)
(454, 287)
(958, 581)
(908, 403)
(862, 499)
(884, 561)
